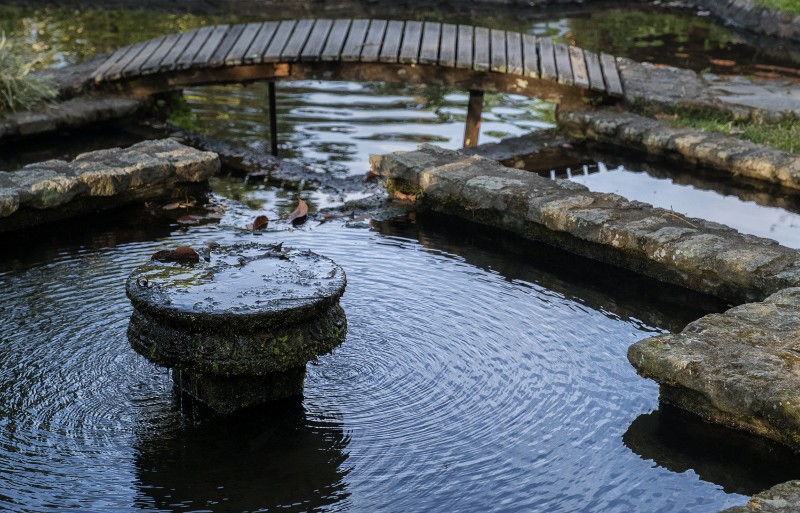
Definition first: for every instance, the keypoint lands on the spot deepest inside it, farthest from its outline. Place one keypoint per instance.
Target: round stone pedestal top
(247, 287)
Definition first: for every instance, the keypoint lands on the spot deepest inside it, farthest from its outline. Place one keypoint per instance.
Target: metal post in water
(473, 128)
(273, 119)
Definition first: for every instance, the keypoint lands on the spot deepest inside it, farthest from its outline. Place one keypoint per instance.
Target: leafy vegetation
(792, 6)
(783, 135)
(19, 88)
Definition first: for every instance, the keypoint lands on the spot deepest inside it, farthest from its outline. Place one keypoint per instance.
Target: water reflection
(737, 461)
(264, 458)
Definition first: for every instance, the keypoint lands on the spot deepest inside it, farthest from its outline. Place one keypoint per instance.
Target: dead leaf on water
(300, 213)
(177, 204)
(182, 254)
(722, 62)
(407, 198)
(190, 219)
(259, 223)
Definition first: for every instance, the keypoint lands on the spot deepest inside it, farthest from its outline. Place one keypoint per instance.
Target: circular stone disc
(248, 287)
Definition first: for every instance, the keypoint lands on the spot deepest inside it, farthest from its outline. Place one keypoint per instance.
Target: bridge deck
(411, 43)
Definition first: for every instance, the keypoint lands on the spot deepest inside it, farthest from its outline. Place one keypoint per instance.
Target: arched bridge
(472, 58)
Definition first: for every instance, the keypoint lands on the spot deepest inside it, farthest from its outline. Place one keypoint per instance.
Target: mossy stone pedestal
(238, 327)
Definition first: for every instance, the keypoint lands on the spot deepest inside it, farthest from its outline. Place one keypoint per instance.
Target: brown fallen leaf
(182, 254)
(300, 214)
(177, 204)
(189, 219)
(408, 198)
(330, 217)
(259, 223)
(722, 62)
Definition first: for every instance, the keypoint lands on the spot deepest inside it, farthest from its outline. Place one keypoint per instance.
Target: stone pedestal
(238, 327)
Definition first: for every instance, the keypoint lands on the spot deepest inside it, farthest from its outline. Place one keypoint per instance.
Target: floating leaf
(722, 62)
(300, 214)
(407, 198)
(329, 217)
(259, 223)
(190, 219)
(183, 254)
(177, 204)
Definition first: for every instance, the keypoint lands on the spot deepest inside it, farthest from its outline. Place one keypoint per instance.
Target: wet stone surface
(738, 368)
(240, 325)
(782, 498)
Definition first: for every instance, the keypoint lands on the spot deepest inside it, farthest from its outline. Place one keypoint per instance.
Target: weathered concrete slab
(692, 253)
(782, 498)
(55, 189)
(739, 368)
(708, 149)
(68, 115)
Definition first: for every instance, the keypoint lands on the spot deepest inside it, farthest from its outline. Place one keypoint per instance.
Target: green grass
(792, 6)
(19, 89)
(784, 135)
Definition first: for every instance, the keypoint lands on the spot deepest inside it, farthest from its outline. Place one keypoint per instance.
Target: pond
(480, 372)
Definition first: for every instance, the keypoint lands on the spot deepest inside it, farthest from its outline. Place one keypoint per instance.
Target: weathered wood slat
(115, 71)
(391, 41)
(514, 53)
(238, 51)
(499, 60)
(151, 65)
(530, 54)
(595, 73)
(481, 50)
(547, 60)
(225, 46)
(210, 46)
(371, 48)
(132, 69)
(335, 42)
(429, 49)
(464, 47)
(276, 46)
(187, 57)
(170, 61)
(611, 75)
(100, 72)
(260, 44)
(291, 52)
(563, 64)
(412, 39)
(579, 73)
(316, 40)
(448, 45)
(351, 51)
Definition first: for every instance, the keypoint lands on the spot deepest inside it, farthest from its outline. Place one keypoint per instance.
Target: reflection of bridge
(477, 59)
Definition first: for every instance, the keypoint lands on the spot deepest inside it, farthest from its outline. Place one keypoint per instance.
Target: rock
(239, 327)
(693, 253)
(782, 498)
(738, 369)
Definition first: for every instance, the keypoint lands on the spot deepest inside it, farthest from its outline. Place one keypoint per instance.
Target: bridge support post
(273, 119)
(473, 128)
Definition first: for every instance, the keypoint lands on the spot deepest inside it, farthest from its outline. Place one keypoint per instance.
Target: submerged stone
(240, 325)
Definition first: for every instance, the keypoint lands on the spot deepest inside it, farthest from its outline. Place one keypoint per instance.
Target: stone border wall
(755, 18)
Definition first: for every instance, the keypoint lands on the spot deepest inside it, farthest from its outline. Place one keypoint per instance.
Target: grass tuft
(19, 88)
(783, 135)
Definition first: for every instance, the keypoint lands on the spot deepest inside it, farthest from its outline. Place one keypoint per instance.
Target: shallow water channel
(480, 372)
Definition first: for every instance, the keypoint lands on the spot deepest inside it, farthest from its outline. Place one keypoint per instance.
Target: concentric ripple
(458, 389)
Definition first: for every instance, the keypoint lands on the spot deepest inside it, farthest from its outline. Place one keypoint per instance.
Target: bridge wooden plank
(100, 73)
(412, 39)
(351, 51)
(530, 56)
(481, 50)
(275, 48)
(563, 64)
(547, 59)
(595, 73)
(371, 48)
(210, 46)
(499, 60)
(295, 44)
(464, 47)
(261, 42)
(170, 61)
(132, 69)
(115, 71)
(514, 53)
(391, 41)
(316, 40)
(336, 38)
(429, 49)
(610, 73)
(150, 65)
(184, 60)
(448, 45)
(238, 51)
(579, 72)
(226, 45)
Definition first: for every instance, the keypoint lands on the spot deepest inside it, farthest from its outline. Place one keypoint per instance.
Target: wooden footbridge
(475, 59)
